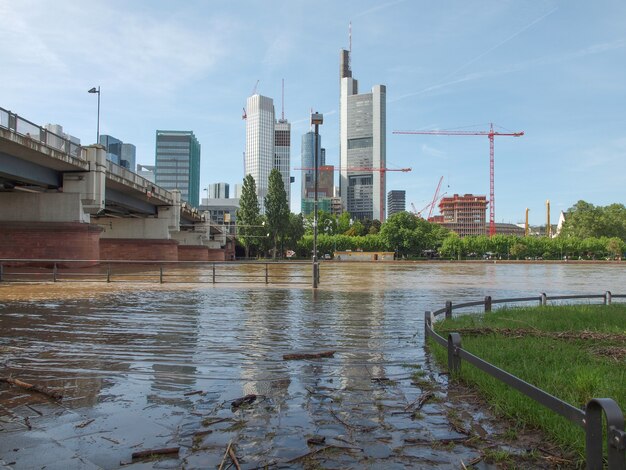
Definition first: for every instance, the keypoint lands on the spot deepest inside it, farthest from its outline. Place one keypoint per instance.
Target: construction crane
(432, 204)
(245, 114)
(364, 168)
(491, 134)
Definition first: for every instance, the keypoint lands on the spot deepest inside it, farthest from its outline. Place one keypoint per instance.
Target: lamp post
(94, 90)
(316, 119)
(207, 195)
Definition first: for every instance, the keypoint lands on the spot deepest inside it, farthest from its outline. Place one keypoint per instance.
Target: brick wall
(50, 240)
(193, 253)
(130, 249)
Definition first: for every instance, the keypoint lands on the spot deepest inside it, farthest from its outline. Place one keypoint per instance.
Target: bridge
(61, 200)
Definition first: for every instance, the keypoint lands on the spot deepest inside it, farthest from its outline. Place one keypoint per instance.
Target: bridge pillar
(56, 225)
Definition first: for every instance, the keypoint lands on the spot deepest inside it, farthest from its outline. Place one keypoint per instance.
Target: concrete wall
(41, 207)
(148, 228)
(138, 249)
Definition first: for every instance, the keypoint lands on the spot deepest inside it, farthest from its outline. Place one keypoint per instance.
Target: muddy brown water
(126, 356)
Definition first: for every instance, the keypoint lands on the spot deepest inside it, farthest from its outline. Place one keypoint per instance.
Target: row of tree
(589, 232)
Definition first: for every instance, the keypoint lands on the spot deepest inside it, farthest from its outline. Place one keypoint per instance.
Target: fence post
(108, 273)
(1, 271)
(543, 301)
(160, 274)
(428, 321)
(454, 359)
(266, 274)
(448, 309)
(213, 273)
(54, 273)
(487, 303)
(607, 297)
(615, 435)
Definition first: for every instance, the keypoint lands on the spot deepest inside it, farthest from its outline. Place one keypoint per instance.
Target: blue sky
(553, 69)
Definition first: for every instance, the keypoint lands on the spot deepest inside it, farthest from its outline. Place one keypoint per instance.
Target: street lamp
(316, 120)
(94, 90)
(207, 195)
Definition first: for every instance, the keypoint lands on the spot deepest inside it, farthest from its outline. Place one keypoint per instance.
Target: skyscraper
(362, 144)
(282, 153)
(267, 145)
(396, 202)
(218, 191)
(178, 163)
(325, 177)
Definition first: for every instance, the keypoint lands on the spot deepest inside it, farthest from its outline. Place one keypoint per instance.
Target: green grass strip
(573, 352)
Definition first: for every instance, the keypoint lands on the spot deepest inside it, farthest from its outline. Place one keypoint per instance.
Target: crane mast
(491, 134)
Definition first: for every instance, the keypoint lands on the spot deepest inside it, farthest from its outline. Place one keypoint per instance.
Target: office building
(282, 153)
(58, 140)
(218, 191)
(268, 143)
(146, 171)
(118, 152)
(325, 175)
(464, 215)
(396, 202)
(178, 163)
(362, 146)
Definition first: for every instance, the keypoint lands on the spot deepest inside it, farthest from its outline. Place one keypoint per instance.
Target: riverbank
(575, 353)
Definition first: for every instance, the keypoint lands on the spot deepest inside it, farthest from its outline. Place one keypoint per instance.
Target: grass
(573, 352)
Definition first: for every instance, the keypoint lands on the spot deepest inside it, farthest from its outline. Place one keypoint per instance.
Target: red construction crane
(364, 168)
(432, 204)
(491, 134)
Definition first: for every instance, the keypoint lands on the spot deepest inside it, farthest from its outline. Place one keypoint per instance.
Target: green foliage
(248, 215)
(584, 220)
(410, 236)
(574, 370)
(276, 209)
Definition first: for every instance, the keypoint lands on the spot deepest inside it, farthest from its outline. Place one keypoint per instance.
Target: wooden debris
(225, 455)
(110, 439)
(147, 453)
(27, 423)
(202, 433)
(35, 410)
(421, 401)
(32, 387)
(195, 392)
(316, 440)
(299, 356)
(317, 451)
(206, 422)
(85, 423)
(379, 380)
(233, 457)
(247, 400)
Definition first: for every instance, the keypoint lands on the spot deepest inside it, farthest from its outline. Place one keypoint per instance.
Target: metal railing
(30, 130)
(159, 272)
(590, 419)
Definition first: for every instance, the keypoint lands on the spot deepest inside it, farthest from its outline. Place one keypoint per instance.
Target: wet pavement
(152, 367)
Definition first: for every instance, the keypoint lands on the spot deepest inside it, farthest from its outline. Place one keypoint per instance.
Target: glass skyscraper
(178, 163)
(362, 145)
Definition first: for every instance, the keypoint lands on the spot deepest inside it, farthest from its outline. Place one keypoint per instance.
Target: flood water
(125, 355)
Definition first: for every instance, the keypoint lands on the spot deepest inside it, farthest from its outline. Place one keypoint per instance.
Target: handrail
(590, 419)
(56, 270)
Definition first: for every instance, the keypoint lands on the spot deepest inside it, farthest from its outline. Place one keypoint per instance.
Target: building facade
(464, 215)
(260, 143)
(362, 146)
(146, 171)
(118, 152)
(218, 191)
(282, 153)
(396, 202)
(178, 163)
(325, 175)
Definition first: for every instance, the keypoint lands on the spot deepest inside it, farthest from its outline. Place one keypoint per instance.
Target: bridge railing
(138, 182)
(589, 418)
(30, 130)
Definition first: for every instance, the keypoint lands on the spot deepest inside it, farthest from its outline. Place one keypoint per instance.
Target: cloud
(132, 50)
(433, 152)
(378, 8)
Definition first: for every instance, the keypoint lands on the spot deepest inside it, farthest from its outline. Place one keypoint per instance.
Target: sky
(554, 69)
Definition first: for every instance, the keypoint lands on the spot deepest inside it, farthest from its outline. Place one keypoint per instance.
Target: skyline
(553, 69)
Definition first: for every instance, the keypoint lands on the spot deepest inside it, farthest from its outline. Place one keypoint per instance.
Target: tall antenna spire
(283, 101)
(350, 36)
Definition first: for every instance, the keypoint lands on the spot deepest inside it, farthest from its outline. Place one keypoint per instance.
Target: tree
(276, 209)
(248, 215)
(295, 231)
(584, 220)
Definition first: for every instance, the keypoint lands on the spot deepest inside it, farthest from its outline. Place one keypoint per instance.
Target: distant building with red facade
(465, 215)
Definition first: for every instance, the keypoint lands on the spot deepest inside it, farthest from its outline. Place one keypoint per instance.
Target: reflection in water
(134, 349)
